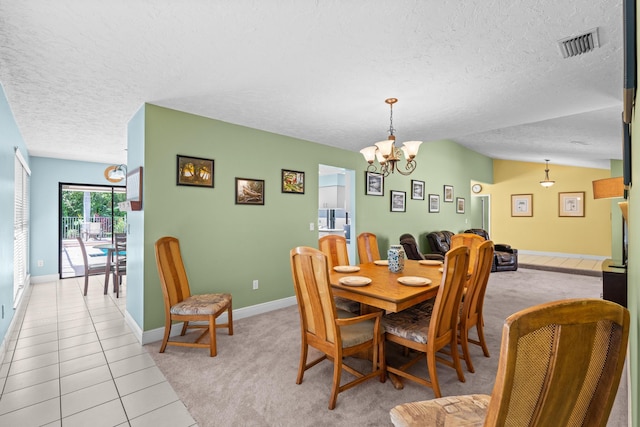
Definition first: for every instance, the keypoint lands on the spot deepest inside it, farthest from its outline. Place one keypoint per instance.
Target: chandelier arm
(410, 167)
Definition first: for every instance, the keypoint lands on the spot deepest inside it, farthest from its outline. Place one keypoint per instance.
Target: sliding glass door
(89, 212)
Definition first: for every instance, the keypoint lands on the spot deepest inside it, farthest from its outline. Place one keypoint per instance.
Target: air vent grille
(577, 45)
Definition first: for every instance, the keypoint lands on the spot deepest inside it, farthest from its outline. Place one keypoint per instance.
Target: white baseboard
(46, 278)
(153, 335)
(562, 255)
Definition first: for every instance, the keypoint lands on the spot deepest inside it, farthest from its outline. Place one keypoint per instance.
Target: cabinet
(614, 282)
(331, 197)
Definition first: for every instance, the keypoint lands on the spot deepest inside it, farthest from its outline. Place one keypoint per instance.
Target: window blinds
(20, 228)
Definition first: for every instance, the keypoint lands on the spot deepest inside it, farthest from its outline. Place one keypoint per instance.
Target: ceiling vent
(577, 45)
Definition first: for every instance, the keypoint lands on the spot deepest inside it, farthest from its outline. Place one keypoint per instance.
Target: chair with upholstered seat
(473, 300)
(368, 247)
(119, 266)
(181, 306)
(432, 326)
(470, 240)
(560, 364)
(336, 333)
(335, 248)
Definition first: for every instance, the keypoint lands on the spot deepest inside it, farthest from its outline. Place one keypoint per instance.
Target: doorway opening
(89, 212)
(336, 205)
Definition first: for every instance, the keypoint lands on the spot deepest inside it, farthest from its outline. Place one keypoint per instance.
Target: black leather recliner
(439, 242)
(411, 250)
(505, 258)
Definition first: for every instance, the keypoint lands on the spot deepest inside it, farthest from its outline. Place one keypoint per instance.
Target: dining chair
(90, 268)
(181, 306)
(560, 365)
(473, 302)
(335, 248)
(432, 326)
(119, 266)
(336, 333)
(368, 247)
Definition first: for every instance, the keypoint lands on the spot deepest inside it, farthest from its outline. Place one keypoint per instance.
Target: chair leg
(165, 339)
(230, 319)
(86, 283)
(483, 342)
(213, 351)
(456, 359)
(335, 389)
(304, 348)
(433, 374)
(464, 343)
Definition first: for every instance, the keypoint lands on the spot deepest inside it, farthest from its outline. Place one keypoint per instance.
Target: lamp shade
(608, 188)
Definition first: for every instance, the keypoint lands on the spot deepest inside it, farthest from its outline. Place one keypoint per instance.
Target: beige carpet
(252, 380)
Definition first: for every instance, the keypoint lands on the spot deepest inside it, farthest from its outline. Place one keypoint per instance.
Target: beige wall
(545, 231)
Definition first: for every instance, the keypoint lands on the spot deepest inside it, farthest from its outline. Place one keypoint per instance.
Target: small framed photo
(374, 184)
(571, 204)
(434, 203)
(398, 201)
(417, 190)
(448, 193)
(459, 205)
(194, 171)
(292, 181)
(249, 191)
(522, 205)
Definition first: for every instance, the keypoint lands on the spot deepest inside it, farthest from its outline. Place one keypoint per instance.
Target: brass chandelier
(388, 155)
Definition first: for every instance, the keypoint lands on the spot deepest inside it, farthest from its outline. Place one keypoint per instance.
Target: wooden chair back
(335, 248)
(444, 318)
(173, 276)
(470, 240)
(89, 268)
(560, 364)
(368, 247)
(313, 291)
(473, 301)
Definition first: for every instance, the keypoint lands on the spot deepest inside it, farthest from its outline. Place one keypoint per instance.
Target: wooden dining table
(384, 291)
(110, 248)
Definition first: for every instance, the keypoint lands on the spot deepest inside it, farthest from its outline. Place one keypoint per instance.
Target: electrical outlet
(255, 284)
(40, 263)
(311, 226)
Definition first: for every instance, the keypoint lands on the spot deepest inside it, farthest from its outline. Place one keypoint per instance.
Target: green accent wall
(226, 246)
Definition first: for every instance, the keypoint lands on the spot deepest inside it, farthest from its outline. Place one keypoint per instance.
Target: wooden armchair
(560, 364)
(336, 333)
(181, 306)
(432, 326)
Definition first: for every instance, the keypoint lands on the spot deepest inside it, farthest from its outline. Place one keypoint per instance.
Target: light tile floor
(74, 362)
(590, 265)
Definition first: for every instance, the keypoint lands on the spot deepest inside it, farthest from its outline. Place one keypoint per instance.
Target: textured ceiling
(485, 73)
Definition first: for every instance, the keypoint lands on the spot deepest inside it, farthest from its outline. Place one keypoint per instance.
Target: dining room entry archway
(90, 212)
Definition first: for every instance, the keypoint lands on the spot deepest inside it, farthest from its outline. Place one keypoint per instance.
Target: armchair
(439, 241)
(505, 258)
(411, 250)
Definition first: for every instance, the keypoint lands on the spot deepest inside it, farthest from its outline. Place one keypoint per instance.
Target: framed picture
(194, 171)
(292, 181)
(571, 204)
(249, 191)
(398, 201)
(459, 205)
(417, 190)
(434, 203)
(522, 205)
(448, 193)
(374, 184)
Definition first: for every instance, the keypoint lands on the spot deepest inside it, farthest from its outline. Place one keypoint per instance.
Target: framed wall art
(459, 205)
(571, 204)
(194, 171)
(249, 191)
(417, 190)
(292, 182)
(374, 184)
(398, 201)
(434, 203)
(522, 205)
(448, 193)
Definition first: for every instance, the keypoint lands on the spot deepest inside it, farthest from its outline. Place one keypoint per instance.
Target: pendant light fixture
(546, 182)
(388, 155)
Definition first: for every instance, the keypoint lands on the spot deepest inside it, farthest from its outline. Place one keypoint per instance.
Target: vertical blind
(20, 228)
